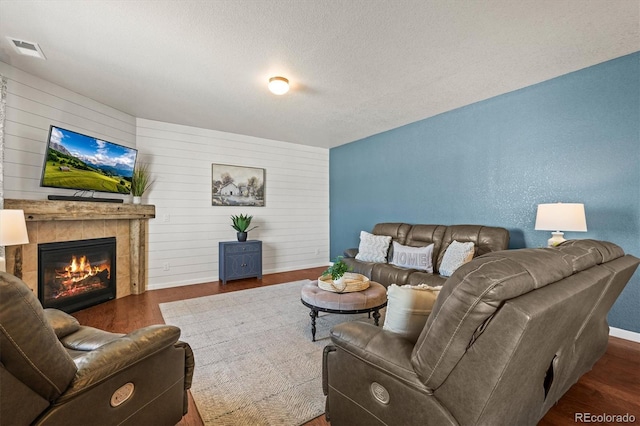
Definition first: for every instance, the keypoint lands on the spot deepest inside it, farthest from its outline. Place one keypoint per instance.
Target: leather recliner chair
(55, 371)
(510, 332)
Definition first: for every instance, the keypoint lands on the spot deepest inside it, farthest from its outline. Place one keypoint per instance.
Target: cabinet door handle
(244, 248)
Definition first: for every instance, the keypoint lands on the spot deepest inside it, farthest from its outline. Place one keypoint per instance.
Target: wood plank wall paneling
(294, 224)
(33, 105)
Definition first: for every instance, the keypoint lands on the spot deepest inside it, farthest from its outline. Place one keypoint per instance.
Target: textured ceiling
(357, 67)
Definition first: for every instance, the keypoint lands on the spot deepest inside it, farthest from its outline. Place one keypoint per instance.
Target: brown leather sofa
(55, 371)
(509, 334)
(485, 238)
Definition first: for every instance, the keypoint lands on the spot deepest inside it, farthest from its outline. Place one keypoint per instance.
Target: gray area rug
(255, 362)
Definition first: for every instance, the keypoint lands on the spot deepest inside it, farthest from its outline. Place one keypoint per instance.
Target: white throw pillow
(408, 308)
(457, 254)
(373, 248)
(413, 257)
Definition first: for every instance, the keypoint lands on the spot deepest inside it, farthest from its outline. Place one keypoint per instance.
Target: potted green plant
(241, 224)
(337, 271)
(140, 181)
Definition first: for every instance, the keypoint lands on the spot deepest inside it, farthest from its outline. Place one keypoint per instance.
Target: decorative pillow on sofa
(413, 257)
(373, 248)
(408, 308)
(457, 254)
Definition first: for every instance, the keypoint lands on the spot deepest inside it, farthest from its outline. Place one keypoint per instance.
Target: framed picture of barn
(237, 185)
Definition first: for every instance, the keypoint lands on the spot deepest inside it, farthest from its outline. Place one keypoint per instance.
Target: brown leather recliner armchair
(510, 332)
(55, 371)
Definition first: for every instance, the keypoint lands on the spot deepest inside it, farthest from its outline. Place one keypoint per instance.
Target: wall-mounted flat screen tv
(85, 163)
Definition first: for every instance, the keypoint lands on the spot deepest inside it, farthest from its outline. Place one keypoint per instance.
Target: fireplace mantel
(53, 220)
(41, 210)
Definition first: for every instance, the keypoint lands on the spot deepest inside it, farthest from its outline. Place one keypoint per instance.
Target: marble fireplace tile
(122, 245)
(123, 284)
(32, 231)
(31, 280)
(123, 276)
(68, 230)
(123, 262)
(123, 228)
(29, 258)
(110, 228)
(93, 229)
(46, 232)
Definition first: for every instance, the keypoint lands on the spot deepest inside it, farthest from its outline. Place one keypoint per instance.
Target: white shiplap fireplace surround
(57, 221)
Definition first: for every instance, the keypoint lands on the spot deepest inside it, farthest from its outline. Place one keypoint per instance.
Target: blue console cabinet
(239, 260)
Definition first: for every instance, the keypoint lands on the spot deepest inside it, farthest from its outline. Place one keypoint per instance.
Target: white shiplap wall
(293, 226)
(33, 105)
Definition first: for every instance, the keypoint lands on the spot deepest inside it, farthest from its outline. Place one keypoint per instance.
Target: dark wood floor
(612, 387)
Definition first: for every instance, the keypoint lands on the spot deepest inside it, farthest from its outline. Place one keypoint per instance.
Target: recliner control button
(122, 394)
(379, 393)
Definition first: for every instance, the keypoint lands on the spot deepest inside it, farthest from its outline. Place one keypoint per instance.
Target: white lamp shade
(13, 228)
(561, 217)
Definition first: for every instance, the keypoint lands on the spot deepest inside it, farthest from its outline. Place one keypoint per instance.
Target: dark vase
(242, 236)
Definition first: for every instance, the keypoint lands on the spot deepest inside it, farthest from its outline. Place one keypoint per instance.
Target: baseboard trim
(624, 334)
(181, 283)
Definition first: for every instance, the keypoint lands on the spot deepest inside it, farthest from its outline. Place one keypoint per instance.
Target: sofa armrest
(325, 370)
(88, 339)
(62, 323)
(384, 350)
(189, 366)
(189, 363)
(111, 358)
(351, 252)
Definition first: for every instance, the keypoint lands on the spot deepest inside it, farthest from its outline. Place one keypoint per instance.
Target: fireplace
(74, 275)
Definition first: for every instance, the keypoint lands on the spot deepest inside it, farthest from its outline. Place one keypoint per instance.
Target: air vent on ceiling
(27, 48)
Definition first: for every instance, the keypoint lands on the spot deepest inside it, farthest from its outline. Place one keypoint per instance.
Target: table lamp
(560, 216)
(13, 231)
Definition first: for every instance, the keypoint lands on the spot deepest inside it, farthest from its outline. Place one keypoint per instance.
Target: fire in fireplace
(74, 275)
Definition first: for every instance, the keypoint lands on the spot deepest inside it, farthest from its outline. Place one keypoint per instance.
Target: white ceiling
(357, 67)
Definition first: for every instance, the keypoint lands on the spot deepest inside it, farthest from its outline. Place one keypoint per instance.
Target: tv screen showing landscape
(81, 162)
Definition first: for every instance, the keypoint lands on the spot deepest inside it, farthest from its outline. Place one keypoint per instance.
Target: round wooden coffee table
(370, 300)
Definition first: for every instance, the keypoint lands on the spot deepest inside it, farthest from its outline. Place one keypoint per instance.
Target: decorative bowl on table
(348, 283)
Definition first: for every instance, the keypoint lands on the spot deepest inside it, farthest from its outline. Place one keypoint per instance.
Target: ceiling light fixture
(278, 85)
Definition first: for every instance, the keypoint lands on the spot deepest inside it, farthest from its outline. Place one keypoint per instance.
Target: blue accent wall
(575, 138)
